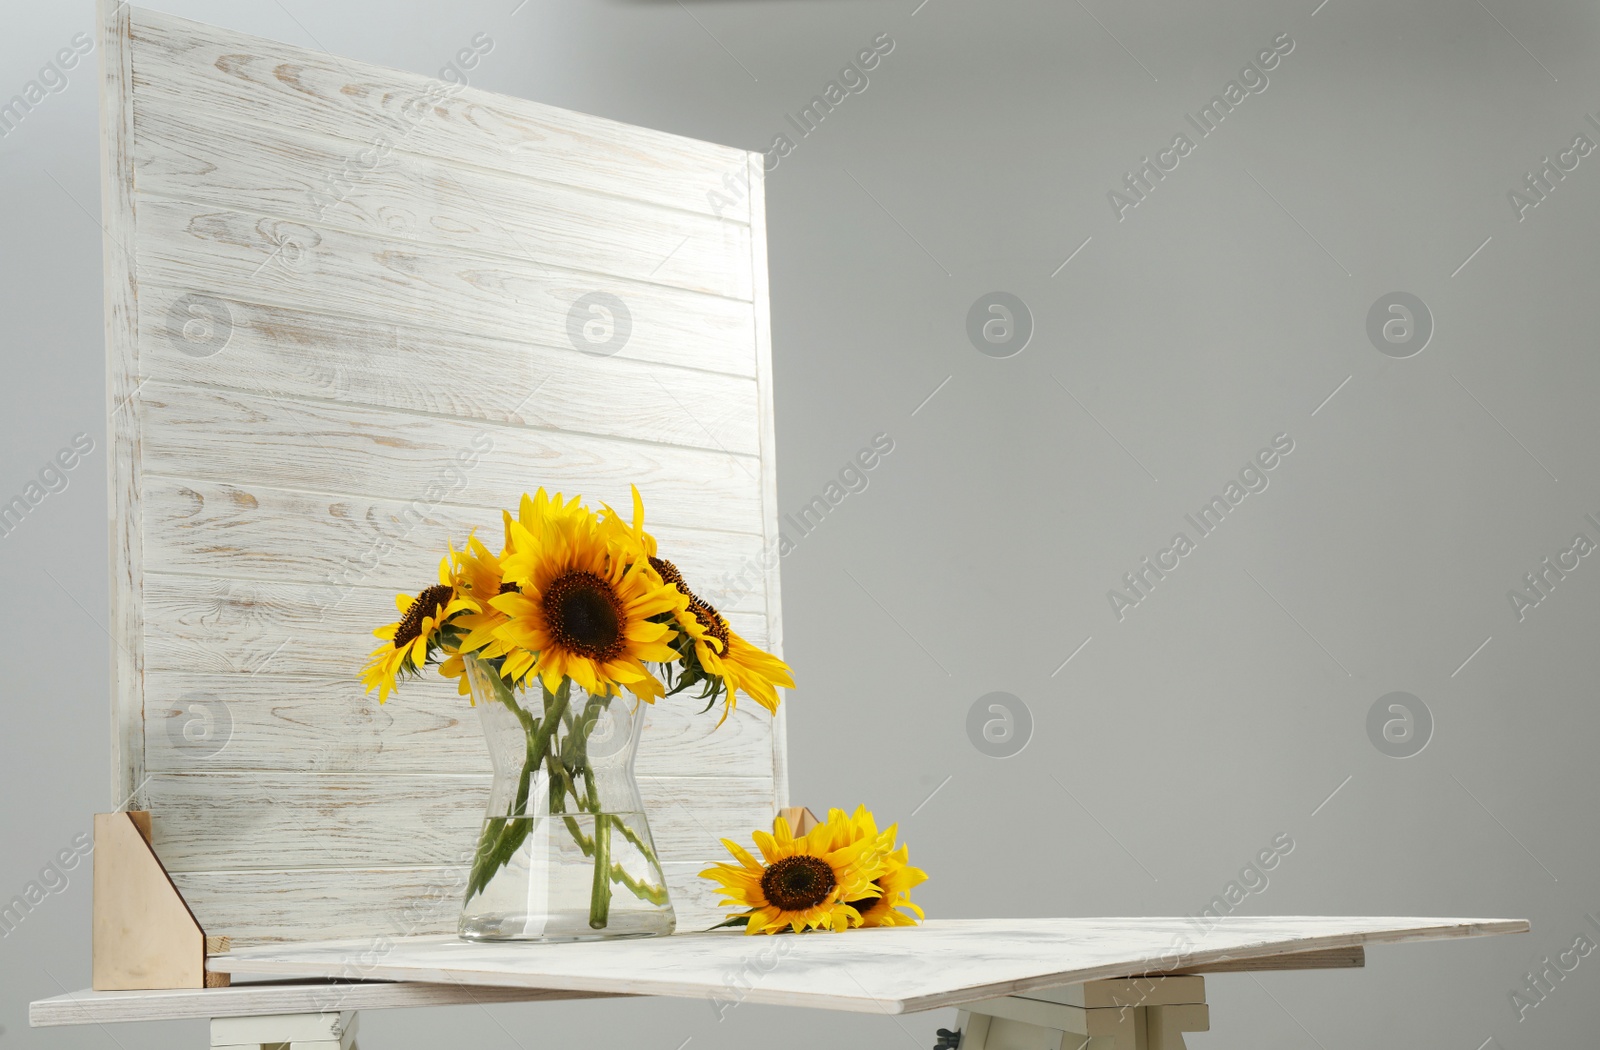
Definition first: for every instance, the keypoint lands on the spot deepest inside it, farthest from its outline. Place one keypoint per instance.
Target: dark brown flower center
(711, 620)
(426, 604)
(798, 883)
(507, 588)
(865, 903)
(669, 573)
(585, 615)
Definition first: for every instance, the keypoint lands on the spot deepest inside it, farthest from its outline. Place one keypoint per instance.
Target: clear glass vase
(565, 853)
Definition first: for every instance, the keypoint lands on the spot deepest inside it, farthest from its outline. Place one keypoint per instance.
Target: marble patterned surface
(942, 963)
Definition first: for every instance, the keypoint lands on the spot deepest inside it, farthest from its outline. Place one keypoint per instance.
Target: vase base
(558, 929)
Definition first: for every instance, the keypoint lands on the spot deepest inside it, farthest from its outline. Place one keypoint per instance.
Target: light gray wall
(1224, 709)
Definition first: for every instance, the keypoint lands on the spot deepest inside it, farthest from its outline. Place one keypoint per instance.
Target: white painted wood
(193, 432)
(213, 626)
(194, 156)
(269, 722)
(254, 998)
(1006, 1033)
(253, 258)
(117, 220)
(974, 1030)
(232, 821)
(1041, 1014)
(250, 81)
(941, 963)
(324, 357)
(335, 543)
(342, 297)
(391, 901)
(1166, 1025)
(284, 1028)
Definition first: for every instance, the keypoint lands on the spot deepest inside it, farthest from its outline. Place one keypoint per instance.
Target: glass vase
(565, 853)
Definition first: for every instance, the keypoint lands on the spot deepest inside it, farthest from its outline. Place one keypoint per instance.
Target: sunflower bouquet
(577, 608)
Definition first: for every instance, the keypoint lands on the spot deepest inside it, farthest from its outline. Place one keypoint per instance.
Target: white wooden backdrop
(327, 283)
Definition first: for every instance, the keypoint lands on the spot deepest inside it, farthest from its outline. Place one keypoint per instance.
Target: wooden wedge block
(144, 934)
(801, 819)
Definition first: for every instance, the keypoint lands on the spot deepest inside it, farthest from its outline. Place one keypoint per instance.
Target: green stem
(645, 891)
(503, 836)
(600, 893)
(566, 764)
(638, 843)
(600, 889)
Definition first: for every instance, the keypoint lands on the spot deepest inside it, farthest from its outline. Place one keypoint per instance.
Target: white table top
(941, 963)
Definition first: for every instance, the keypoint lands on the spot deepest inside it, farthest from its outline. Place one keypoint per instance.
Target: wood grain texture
(335, 543)
(897, 970)
(355, 334)
(194, 432)
(354, 185)
(249, 81)
(391, 902)
(322, 357)
(118, 222)
(242, 256)
(283, 723)
(339, 821)
(246, 627)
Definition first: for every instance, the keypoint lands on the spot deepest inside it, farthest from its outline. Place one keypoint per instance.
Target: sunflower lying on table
(841, 874)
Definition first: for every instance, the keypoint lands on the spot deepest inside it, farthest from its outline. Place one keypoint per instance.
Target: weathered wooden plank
(237, 821)
(353, 185)
(251, 258)
(382, 902)
(358, 450)
(249, 81)
(334, 543)
(244, 627)
(119, 247)
(289, 353)
(364, 297)
(267, 722)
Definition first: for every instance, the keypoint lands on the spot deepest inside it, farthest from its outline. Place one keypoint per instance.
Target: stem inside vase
(563, 775)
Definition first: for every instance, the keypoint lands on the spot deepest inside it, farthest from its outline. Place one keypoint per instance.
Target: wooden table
(1075, 984)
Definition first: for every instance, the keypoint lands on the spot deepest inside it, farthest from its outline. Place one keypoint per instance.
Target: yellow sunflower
(412, 639)
(800, 884)
(539, 511)
(581, 610)
(898, 878)
(718, 650)
(639, 543)
(740, 665)
(477, 575)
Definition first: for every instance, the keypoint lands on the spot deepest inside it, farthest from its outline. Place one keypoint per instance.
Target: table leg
(318, 1031)
(1098, 1015)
